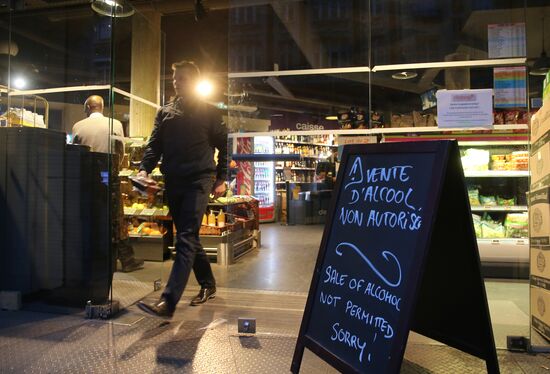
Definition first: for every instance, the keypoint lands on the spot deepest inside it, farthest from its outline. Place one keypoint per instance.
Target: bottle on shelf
(211, 219)
(221, 218)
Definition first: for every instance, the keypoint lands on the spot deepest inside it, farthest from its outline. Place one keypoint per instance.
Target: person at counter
(94, 131)
(185, 134)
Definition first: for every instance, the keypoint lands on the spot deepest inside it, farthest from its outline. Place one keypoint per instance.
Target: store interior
(292, 78)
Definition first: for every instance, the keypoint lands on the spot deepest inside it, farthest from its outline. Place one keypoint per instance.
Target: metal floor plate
(203, 340)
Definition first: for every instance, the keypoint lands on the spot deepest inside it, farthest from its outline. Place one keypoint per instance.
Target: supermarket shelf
(303, 143)
(504, 250)
(145, 212)
(145, 236)
(282, 168)
(497, 173)
(514, 208)
(389, 130)
(474, 143)
(405, 130)
(293, 182)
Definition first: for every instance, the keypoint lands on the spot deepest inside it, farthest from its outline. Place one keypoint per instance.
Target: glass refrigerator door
(264, 178)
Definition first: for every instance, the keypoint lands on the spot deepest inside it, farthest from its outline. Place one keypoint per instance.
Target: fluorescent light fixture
(112, 8)
(331, 118)
(204, 88)
(19, 83)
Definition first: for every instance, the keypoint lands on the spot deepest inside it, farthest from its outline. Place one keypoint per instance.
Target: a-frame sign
(398, 253)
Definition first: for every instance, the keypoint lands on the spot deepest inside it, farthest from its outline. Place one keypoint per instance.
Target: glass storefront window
(68, 243)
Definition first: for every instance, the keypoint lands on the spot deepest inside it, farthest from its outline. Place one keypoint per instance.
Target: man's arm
(218, 131)
(154, 148)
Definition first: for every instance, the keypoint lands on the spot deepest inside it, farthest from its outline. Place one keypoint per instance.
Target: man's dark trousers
(187, 200)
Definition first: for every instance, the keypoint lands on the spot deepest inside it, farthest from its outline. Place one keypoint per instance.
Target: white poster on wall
(506, 40)
(465, 108)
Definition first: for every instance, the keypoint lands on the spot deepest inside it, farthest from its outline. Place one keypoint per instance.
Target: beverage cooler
(264, 178)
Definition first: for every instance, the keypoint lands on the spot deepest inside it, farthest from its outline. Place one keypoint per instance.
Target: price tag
(129, 211)
(148, 212)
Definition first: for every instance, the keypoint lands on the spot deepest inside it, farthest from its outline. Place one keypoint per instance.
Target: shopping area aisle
(269, 284)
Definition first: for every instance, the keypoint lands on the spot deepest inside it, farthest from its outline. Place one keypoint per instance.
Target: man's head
(185, 77)
(93, 104)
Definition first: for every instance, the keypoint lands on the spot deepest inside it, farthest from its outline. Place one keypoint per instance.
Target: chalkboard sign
(374, 257)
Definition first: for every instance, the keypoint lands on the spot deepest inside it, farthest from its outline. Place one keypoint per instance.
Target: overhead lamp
(542, 64)
(19, 83)
(331, 118)
(112, 8)
(204, 88)
(402, 75)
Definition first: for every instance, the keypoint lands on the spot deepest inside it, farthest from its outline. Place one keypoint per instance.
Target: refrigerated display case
(264, 178)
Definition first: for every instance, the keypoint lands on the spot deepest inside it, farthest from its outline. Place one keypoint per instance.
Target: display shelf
(378, 131)
(293, 182)
(507, 250)
(153, 212)
(515, 208)
(145, 236)
(293, 168)
(478, 143)
(497, 173)
(304, 143)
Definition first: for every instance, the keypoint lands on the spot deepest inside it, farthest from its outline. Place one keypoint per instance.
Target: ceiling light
(204, 88)
(404, 75)
(19, 83)
(331, 118)
(112, 8)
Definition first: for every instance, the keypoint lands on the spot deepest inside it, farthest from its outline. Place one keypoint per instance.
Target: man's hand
(219, 188)
(142, 174)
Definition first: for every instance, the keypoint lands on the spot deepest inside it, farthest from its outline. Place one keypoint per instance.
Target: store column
(145, 74)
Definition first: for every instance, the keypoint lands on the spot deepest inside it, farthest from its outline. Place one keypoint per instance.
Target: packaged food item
(501, 201)
(376, 120)
(498, 118)
(477, 225)
(419, 119)
(516, 225)
(475, 160)
(473, 195)
(492, 230)
(344, 120)
(431, 120)
(511, 117)
(407, 120)
(524, 117)
(396, 120)
(487, 200)
(204, 220)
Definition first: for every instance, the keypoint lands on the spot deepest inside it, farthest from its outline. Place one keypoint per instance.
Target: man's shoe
(133, 265)
(158, 309)
(204, 295)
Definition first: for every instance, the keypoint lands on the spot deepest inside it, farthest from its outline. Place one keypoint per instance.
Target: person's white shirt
(94, 132)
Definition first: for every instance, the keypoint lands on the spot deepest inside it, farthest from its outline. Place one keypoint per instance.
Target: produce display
(514, 225)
